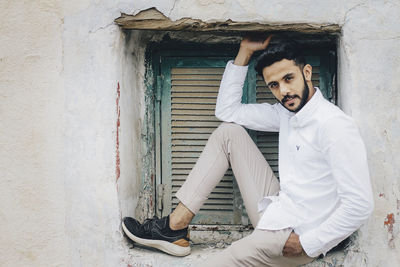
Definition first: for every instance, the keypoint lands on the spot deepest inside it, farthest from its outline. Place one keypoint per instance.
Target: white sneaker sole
(162, 245)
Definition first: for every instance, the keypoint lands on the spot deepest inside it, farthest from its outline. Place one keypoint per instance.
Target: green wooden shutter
(188, 105)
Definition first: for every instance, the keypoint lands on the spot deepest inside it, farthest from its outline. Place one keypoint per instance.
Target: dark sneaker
(157, 234)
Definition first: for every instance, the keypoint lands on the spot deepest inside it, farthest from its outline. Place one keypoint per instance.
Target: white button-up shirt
(325, 191)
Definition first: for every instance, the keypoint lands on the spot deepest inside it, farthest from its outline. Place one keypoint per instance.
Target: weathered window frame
(155, 52)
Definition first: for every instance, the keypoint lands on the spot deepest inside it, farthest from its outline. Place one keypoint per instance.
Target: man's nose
(284, 90)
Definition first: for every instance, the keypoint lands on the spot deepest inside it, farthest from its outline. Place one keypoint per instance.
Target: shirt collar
(309, 108)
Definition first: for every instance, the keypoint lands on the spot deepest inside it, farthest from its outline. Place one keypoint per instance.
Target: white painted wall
(32, 191)
(60, 64)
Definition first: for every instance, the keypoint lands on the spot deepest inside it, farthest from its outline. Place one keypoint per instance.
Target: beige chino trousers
(231, 144)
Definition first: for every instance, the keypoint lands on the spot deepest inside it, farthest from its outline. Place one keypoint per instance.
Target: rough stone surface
(60, 66)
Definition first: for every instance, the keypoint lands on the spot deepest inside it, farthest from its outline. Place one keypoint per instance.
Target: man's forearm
(243, 57)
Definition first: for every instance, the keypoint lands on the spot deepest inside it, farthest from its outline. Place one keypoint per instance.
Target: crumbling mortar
(153, 19)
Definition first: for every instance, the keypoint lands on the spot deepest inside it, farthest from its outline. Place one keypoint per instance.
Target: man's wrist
(243, 57)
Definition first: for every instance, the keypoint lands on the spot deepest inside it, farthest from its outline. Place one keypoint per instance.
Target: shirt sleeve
(261, 117)
(346, 155)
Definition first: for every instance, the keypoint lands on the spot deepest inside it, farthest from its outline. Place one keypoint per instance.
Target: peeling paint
(389, 222)
(146, 202)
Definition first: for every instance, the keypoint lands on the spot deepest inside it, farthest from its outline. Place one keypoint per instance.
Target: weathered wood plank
(212, 83)
(195, 94)
(175, 71)
(194, 88)
(196, 77)
(193, 118)
(152, 19)
(196, 106)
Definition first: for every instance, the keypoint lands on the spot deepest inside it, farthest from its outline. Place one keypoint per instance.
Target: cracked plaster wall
(60, 66)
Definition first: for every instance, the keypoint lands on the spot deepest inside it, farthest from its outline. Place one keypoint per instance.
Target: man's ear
(307, 71)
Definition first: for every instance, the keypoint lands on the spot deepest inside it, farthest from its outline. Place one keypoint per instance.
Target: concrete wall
(72, 110)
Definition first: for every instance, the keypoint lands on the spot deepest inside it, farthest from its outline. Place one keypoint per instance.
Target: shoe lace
(149, 224)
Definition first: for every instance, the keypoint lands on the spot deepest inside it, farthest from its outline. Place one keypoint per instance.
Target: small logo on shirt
(298, 148)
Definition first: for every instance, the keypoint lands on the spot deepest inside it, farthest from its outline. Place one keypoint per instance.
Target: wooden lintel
(152, 19)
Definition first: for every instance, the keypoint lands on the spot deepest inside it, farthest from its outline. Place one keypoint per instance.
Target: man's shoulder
(333, 121)
(329, 112)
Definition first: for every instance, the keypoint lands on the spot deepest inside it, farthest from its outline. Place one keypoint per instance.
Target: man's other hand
(293, 247)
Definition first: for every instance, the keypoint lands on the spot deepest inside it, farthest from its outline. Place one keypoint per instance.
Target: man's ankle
(180, 217)
(176, 224)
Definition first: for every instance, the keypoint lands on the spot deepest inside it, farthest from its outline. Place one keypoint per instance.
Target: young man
(324, 191)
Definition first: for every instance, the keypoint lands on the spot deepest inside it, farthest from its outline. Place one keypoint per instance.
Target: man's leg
(230, 143)
(261, 248)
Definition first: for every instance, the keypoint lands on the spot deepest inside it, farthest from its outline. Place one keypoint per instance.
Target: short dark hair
(284, 49)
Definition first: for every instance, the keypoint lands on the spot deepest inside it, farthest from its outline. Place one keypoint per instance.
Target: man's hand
(247, 48)
(293, 247)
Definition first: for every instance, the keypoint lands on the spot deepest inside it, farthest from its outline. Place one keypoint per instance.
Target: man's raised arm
(229, 108)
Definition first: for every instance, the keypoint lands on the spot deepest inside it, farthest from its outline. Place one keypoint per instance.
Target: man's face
(288, 83)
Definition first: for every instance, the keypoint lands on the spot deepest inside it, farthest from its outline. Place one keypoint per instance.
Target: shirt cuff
(310, 243)
(237, 73)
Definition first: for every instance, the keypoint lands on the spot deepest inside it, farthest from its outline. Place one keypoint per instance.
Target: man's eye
(273, 85)
(288, 79)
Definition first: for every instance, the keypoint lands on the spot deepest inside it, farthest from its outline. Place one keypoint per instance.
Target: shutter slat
(194, 94)
(190, 136)
(192, 111)
(213, 83)
(225, 179)
(187, 148)
(202, 124)
(194, 118)
(189, 142)
(191, 106)
(194, 100)
(181, 154)
(197, 70)
(193, 130)
(197, 77)
(193, 89)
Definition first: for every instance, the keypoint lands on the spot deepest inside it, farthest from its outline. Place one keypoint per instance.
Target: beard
(303, 99)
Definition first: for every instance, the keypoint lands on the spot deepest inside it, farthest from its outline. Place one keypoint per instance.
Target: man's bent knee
(230, 129)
